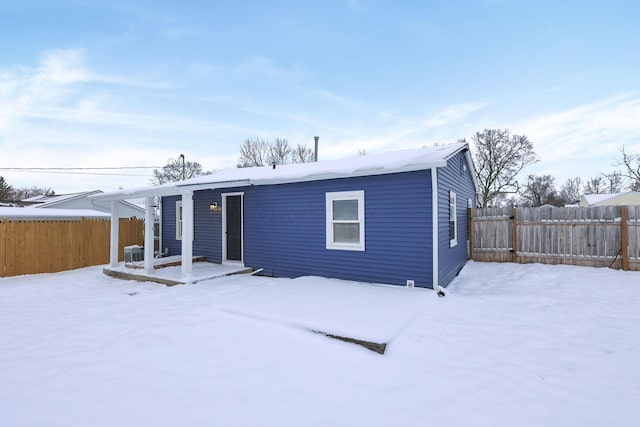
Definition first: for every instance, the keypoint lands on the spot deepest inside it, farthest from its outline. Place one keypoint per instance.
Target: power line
(72, 173)
(74, 170)
(101, 168)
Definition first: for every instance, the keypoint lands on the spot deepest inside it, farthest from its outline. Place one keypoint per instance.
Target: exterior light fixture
(213, 207)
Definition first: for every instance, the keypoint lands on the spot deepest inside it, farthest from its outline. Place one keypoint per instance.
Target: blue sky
(97, 83)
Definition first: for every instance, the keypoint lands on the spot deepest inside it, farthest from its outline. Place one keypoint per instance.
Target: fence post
(624, 238)
(470, 226)
(514, 236)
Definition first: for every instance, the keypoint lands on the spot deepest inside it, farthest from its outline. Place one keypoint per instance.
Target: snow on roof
(31, 212)
(593, 199)
(370, 164)
(394, 161)
(58, 198)
(35, 198)
(597, 198)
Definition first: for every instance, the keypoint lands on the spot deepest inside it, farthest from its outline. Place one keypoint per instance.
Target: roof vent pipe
(315, 153)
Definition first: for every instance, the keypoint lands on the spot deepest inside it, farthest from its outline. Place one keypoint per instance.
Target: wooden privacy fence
(607, 236)
(29, 247)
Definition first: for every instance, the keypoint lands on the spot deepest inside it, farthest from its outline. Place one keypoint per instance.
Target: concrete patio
(167, 271)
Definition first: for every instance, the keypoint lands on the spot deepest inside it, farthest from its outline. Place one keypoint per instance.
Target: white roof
(370, 164)
(31, 213)
(597, 198)
(593, 199)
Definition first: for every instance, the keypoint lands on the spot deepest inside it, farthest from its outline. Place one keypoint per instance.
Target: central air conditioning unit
(133, 253)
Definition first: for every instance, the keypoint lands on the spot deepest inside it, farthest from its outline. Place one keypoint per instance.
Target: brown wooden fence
(607, 236)
(29, 247)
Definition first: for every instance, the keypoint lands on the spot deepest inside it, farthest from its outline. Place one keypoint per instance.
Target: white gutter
(435, 232)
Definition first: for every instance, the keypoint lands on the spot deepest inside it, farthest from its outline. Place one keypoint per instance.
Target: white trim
(224, 228)
(115, 230)
(179, 220)
(187, 235)
(453, 211)
(148, 236)
(435, 230)
(329, 222)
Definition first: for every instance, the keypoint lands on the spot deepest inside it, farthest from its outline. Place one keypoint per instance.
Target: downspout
(159, 212)
(435, 232)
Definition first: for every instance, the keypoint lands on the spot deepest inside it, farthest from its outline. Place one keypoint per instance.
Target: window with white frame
(179, 220)
(453, 220)
(345, 220)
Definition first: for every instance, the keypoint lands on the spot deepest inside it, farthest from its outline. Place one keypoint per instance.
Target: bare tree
(253, 153)
(595, 185)
(499, 158)
(259, 152)
(177, 170)
(631, 164)
(279, 152)
(302, 154)
(572, 190)
(614, 181)
(27, 192)
(540, 190)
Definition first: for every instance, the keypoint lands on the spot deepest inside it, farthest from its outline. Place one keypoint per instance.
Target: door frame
(224, 228)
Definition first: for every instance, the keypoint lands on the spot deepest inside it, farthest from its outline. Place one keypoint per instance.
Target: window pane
(452, 208)
(345, 210)
(346, 233)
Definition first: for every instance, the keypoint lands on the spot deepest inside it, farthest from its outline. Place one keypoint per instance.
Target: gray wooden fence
(607, 236)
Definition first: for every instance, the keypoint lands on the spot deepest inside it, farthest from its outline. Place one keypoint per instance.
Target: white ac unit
(133, 253)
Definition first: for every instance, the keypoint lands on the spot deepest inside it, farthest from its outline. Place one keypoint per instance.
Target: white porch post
(148, 235)
(187, 234)
(115, 229)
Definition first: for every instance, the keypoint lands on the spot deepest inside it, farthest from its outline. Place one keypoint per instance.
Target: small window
(345, 220)
(179, 220)
(453, 220)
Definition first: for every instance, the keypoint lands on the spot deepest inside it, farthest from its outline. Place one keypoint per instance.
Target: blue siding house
(395, 218)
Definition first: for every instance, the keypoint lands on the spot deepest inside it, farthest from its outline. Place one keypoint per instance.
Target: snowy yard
(510, 345)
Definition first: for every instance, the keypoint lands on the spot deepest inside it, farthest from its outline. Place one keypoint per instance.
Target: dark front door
(233, 211)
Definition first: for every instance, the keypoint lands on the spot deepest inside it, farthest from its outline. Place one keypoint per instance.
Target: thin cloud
(549, 90)
(53, 85)
(585, 139)
(599, 124)
(453, 113)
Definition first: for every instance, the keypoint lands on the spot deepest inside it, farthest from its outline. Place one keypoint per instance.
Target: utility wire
(102, 168)
(74, 170)
(73, 173)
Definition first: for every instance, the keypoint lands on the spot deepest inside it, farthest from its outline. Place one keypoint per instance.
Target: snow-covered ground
(510, 345)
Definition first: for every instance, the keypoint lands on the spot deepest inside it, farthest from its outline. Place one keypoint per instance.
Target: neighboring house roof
(46, 201)
(33, 213)
(370, 164)
(81, 200)
(611, 199)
